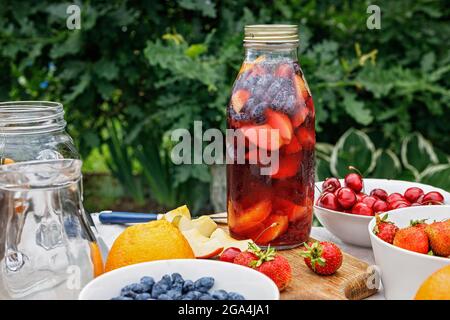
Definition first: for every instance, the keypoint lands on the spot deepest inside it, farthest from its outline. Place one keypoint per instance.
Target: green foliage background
(138, 69)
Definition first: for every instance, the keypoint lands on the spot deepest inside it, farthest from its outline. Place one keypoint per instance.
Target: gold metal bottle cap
(271, 33)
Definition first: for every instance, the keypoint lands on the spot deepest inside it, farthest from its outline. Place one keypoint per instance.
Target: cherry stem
(431, 202)
(318, 189)
(352, 168)
(269, 227)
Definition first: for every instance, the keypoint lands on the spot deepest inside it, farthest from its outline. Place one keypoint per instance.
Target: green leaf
(356, 109)
(207, 8)
(106, 69)
(72, 45)
(388, 165)
(195, 50)
(417, 153)
(355, 149)
(437, 176)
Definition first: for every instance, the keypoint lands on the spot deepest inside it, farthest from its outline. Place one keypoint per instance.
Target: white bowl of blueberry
(183, 279)
(346, 206)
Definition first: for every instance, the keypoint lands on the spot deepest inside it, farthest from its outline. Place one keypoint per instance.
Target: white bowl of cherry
(346, 206)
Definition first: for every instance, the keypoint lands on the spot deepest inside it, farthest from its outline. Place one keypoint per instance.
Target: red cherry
(420, 199)
(395, 197)
(360, 196)
(346, 197)
(413, 193)
(379, 193)
(229, 254)
(380, 206)
(362, 209)
(433, 197)
(331, 185)
(370, 200)
(329, 201)
(354, 182)
(398, 204)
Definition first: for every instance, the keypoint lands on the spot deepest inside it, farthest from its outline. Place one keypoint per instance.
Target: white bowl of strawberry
(409, 244)
(346, 206)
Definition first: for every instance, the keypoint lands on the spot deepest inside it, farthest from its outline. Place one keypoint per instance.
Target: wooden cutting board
(306, 285)
(349, 280)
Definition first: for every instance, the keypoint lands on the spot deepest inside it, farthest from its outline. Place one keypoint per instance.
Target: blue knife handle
(114, 217)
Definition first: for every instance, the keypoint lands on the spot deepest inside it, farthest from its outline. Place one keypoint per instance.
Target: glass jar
(271, 107)
(34, 130)
(47, 249)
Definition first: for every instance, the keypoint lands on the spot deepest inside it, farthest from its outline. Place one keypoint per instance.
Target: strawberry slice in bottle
(293, 211)
(288, 166)
(284, 70)
(274, 226)
(306, 137)
(300, 116)
(239, 99)
(301, 88)
(263, 136)
(280, 121)
(250, 219)
(293, 147)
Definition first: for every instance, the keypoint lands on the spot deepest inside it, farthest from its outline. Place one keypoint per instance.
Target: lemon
(436, 287)
(156, 240)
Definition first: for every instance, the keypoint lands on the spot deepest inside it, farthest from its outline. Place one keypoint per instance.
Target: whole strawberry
(412, 239)
(419, 223)
(384, 229)
(274, 266)
(324, 258)
(439, 235)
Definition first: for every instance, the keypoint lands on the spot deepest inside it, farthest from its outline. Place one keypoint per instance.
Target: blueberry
(158, 289)
(220, 295)
(121, 298)
(279, 100)
(204, 284)
(274, 88)
(166, 279)
(250, 82)
(192, 295)
(235, 296)
(174, 294)
(143, 296)
(264, 82)
(251, 103)
(177, 278)
(206, 296)
(238, 116)
(148, 280)
(137, 288)
(289, 107)
(257, 113)
(147, 283)
(128, 294)
(164, 297)
(127, 288)
(188, 286)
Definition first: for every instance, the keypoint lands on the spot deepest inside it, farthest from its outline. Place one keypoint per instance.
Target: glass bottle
(47, 249)
(34, 130)
(270, 182)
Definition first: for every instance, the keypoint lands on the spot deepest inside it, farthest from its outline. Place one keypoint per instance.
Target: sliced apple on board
(180, 211)
(228, 241)
(203, 247)
(205, 225)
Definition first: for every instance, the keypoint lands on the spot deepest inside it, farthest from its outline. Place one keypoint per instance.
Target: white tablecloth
(110, 232)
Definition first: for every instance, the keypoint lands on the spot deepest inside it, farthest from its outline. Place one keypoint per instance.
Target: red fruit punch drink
(270, 93)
